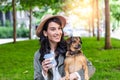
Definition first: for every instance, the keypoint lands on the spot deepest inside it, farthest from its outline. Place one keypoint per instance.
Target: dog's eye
(74, 41)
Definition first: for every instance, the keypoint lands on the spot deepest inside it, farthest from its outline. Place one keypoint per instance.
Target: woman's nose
(58, 31)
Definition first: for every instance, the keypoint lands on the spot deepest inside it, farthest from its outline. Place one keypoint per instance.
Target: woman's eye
(53, 29)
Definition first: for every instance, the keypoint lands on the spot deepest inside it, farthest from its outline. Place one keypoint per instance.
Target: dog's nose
(78, 46)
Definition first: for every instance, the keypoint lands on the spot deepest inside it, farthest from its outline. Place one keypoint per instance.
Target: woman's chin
(57, 41)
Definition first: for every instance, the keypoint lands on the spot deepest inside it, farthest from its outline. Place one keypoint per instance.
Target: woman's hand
(63, 78)
(73, 76)
(46, 64)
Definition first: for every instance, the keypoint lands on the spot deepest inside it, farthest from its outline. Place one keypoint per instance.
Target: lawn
(16, 60)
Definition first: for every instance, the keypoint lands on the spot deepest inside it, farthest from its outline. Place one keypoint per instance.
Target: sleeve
(81, 74)
(45, 77)
(91, 68)
(37, 67)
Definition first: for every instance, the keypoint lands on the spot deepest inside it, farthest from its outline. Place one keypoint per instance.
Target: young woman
(50, 32)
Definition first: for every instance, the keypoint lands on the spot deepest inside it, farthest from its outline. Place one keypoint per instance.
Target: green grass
(107, 62)
(16, 60)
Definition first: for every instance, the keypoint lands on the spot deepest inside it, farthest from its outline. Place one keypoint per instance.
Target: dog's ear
(80, 40)
(68, 41)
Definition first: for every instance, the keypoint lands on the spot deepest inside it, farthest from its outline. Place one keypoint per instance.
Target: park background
(95, 21)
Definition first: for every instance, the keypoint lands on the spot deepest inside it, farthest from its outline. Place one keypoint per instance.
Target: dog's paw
(67, 78)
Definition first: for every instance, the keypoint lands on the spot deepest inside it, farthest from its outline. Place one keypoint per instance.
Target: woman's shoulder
(37, 54)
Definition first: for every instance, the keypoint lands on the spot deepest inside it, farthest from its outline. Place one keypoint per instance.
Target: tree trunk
(107, 26)
(14, 21)
(30, 17)
(93, 9)
(97, 15)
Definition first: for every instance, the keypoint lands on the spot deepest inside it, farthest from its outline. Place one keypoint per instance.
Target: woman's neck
(53, 46)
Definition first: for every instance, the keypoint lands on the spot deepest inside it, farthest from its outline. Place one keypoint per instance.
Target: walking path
(115, 34)
(3, 41)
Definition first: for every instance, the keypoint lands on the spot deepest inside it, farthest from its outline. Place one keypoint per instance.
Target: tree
(9, 6)
(5, 6)
(14, 20)
(93, 12)
(29, 5)
(97, 15)
(107, 26)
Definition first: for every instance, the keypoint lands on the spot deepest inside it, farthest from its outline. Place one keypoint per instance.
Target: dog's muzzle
(78, 46)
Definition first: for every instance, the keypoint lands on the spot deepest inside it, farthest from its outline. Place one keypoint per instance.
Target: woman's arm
(37, 67)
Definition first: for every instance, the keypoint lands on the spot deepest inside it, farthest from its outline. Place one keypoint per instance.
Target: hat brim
(41, 25)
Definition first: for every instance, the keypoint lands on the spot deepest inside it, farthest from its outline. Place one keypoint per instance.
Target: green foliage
(7, 23)
(1, 8)
(41, 12)
(44, 10)
(54, 4)
(22, 32)
(7, 32)
(16, 60)
(115, 9)
(6, 7)
(115, 13)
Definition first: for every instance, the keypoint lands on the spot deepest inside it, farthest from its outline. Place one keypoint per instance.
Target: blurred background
(20, 18)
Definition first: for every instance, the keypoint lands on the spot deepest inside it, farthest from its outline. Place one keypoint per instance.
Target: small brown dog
(75, 60)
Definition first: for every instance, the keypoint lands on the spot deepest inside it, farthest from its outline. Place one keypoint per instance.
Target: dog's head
(74, 43)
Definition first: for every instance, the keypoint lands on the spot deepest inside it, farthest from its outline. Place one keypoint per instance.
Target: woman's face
(54, 32)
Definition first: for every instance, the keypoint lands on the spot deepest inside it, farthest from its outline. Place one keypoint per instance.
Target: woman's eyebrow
(51, 27)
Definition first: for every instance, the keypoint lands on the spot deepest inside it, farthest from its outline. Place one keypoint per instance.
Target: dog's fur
(75, 60)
